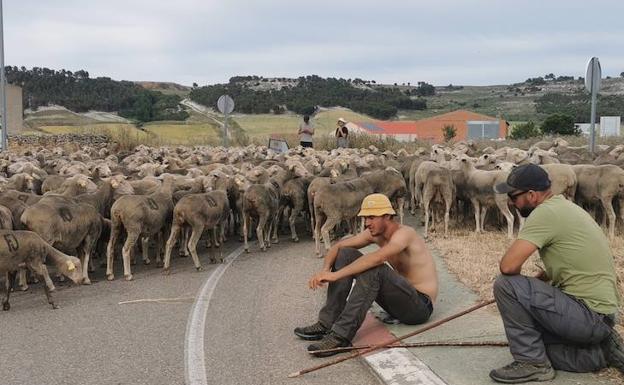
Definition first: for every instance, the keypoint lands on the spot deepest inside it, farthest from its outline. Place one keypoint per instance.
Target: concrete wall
(15, 110)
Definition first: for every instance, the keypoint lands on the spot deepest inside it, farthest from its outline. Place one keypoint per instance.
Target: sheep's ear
(70, 266)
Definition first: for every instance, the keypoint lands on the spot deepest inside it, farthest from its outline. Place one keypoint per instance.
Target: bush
(449, 131)
(559, 124)
(525, 131)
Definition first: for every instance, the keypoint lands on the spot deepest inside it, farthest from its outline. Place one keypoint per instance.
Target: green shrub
(525, 131)
(559, 124)
(449, 131)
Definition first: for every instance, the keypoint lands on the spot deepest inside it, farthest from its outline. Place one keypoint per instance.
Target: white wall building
(608, 126)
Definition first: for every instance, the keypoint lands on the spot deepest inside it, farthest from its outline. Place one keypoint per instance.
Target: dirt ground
(474, 258)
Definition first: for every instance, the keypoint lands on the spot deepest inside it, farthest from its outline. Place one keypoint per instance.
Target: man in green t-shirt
(563, 318)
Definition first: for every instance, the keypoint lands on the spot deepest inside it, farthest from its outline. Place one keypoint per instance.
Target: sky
(470, 42)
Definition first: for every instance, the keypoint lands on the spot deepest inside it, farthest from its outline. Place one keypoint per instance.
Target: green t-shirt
(575, 252)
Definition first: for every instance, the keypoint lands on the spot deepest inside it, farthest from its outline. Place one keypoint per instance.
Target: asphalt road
(92, 339)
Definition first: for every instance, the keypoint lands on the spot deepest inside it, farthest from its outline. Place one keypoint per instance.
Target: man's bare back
(415, 262)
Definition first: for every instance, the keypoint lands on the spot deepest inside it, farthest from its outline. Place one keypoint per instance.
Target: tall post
(592, 127)
(3, 142)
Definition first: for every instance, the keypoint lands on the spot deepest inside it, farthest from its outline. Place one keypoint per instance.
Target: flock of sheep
(67, 208)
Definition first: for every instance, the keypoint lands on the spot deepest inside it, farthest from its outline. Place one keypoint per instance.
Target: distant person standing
(342, 134)
(306, 130)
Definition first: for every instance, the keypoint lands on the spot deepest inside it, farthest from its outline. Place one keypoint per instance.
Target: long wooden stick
(156, 300)
(390, 342)
(414, 345)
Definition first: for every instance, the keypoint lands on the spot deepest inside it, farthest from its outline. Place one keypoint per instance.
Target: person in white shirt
(306, 130)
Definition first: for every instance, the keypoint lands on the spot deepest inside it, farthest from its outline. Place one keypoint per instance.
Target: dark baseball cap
(526, 177)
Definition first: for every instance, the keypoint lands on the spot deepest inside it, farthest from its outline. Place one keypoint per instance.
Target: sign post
(5, 127)
(593, 77)
(225, 104)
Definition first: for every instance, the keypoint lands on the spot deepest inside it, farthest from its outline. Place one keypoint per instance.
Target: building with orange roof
(468, 125)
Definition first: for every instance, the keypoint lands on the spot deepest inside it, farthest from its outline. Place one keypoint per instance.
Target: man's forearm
(330, 257)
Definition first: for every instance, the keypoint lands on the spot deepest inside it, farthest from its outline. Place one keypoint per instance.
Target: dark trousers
(306, 144)
(344, 313)
(542, 322)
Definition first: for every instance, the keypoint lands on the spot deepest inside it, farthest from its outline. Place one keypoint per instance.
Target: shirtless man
(406, 286)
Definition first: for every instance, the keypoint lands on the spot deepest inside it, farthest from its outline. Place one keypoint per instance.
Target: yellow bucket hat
(376, 205)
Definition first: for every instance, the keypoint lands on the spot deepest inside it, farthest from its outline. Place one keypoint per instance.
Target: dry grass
(473, 259)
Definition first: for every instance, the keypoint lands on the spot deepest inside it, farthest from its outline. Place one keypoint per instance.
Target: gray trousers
(542, 322)
(344, 313)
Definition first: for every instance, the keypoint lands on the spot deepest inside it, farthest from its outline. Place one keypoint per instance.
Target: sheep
(389, 182)
(420, 175)
(336, 202)
(562, 178)
(27, 249)
(438, 187)
(74, 185)
(294, 196)
(142, 216)
(313, 187)
(601, 183)
(480, 189)
(20, 182)
(261, 201)
(67, 225)
(412, 184)
(200, 211)
(543, 157)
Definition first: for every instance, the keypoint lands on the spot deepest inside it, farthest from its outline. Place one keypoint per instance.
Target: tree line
(80, 93)
(309, 92)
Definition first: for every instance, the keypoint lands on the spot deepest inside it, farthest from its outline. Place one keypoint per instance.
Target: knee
(502, 285)
(345, 256)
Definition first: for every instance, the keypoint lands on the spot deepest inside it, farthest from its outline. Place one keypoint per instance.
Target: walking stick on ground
(416, 345)
(390, 342)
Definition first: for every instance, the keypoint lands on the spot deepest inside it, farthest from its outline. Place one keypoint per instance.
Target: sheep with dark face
(20, 249)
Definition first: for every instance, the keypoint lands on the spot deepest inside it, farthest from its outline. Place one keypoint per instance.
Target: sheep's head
(72, 269)
(298, 169)
(505, 166)
(241, 182)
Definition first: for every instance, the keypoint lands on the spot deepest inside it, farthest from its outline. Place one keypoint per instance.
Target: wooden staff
(391, 342)
(414, 345)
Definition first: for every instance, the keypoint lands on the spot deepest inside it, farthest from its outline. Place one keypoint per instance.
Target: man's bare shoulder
(407, 231)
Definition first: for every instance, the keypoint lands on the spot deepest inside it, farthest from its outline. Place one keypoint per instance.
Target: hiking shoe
(518, 372)
(313, 332)
(330, 341)
(613, 349)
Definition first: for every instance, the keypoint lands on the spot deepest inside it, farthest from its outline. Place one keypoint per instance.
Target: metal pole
(592, 128)
(225, 127)
(3, 143)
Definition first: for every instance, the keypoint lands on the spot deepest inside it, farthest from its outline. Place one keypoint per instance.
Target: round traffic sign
(593, 75)
(225, 104)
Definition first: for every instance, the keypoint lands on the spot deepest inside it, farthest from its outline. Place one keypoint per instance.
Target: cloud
(459, 42)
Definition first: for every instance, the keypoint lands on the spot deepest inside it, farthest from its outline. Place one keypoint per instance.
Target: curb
(397, 366)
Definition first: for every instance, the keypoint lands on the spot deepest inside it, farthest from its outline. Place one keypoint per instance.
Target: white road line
(400, 367)
(194, 359)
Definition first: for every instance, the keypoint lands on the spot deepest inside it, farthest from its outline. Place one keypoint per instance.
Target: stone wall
(58, 140)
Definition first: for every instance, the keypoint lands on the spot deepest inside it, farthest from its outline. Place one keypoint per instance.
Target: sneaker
(518, 372)
(330, 341)
(313, 332)
(613, 349)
